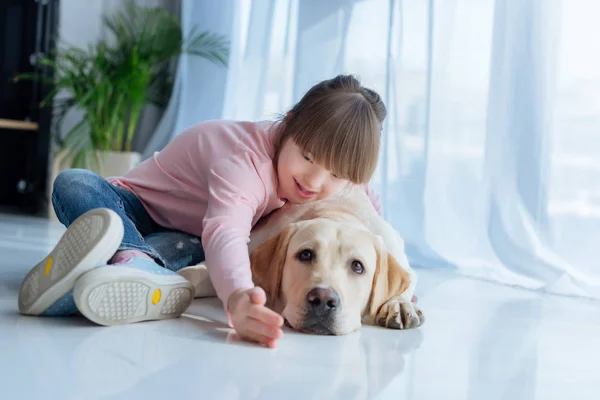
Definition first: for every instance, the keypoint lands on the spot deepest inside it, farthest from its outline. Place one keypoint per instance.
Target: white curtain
(199, 87)
(491, 158)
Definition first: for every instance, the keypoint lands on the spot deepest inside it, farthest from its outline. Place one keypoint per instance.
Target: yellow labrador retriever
(328, 265)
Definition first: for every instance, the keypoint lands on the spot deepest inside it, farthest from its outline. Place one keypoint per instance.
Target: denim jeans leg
(77, 191)
(177, 249)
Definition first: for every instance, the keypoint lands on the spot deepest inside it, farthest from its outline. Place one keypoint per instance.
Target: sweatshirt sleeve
(374, 197)
(235, 194)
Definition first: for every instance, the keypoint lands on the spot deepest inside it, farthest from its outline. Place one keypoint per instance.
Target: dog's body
(325, 265)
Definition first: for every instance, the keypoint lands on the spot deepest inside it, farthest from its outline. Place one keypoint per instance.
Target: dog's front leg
(399, 312)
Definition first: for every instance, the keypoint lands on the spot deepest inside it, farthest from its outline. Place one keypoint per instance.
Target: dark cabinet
(27, 30)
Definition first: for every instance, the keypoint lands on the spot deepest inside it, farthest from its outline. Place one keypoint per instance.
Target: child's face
(301, 180)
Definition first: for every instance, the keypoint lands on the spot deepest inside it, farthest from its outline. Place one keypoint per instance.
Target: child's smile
(307, 194)
(301, 180)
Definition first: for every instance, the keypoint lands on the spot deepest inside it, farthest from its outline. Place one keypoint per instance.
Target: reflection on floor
(480, 341)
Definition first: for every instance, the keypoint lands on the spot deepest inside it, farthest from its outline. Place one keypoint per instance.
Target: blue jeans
(77, 191)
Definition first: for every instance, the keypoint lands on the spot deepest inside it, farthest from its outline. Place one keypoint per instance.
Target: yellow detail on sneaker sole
(48, 266)
(156, 297)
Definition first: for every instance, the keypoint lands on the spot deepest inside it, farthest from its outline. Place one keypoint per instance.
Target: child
(214, 181)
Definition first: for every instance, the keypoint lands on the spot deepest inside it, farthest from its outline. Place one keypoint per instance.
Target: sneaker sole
(90, 240)
(115, 295)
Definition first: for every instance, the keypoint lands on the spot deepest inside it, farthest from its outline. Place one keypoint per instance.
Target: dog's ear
(390, 280)
(267, 261)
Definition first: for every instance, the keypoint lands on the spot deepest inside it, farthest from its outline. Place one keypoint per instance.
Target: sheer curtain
(199, 87)
(491, 158)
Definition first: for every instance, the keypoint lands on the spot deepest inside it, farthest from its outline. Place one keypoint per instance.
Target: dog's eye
(305, 256)
(357, 267)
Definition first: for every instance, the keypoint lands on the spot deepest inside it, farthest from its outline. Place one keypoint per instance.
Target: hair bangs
(342, 133)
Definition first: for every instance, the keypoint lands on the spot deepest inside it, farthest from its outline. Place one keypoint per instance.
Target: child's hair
(339, 122)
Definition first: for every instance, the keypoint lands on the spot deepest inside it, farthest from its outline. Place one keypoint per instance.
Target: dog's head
(324, 276)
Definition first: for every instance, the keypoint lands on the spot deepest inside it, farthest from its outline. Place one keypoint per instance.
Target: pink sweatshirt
(215, 180)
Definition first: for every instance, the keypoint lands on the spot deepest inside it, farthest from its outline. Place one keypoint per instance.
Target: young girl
(197, 200)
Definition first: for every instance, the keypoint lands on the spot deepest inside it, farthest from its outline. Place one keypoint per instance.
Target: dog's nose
(323, 300)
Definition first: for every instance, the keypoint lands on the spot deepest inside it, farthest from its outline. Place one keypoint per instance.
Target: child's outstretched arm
(235, 194)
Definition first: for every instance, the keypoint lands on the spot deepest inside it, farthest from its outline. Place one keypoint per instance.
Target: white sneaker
(91, 240)
(135, 291)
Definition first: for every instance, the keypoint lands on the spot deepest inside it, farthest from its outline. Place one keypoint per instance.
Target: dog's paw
(400, 314)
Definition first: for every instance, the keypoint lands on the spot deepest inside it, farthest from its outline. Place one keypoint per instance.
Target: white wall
(80, 20)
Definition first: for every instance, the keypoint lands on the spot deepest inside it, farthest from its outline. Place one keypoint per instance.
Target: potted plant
(111, 81)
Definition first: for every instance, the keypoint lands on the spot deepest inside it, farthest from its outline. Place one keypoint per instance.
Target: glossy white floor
(480, 341)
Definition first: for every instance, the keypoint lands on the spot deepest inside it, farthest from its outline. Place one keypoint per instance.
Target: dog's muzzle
(323, 302)
(322, 305)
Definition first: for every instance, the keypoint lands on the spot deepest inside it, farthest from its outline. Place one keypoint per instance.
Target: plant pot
(114, 164)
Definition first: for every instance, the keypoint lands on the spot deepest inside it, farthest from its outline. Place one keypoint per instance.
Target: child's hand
(252, 320)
